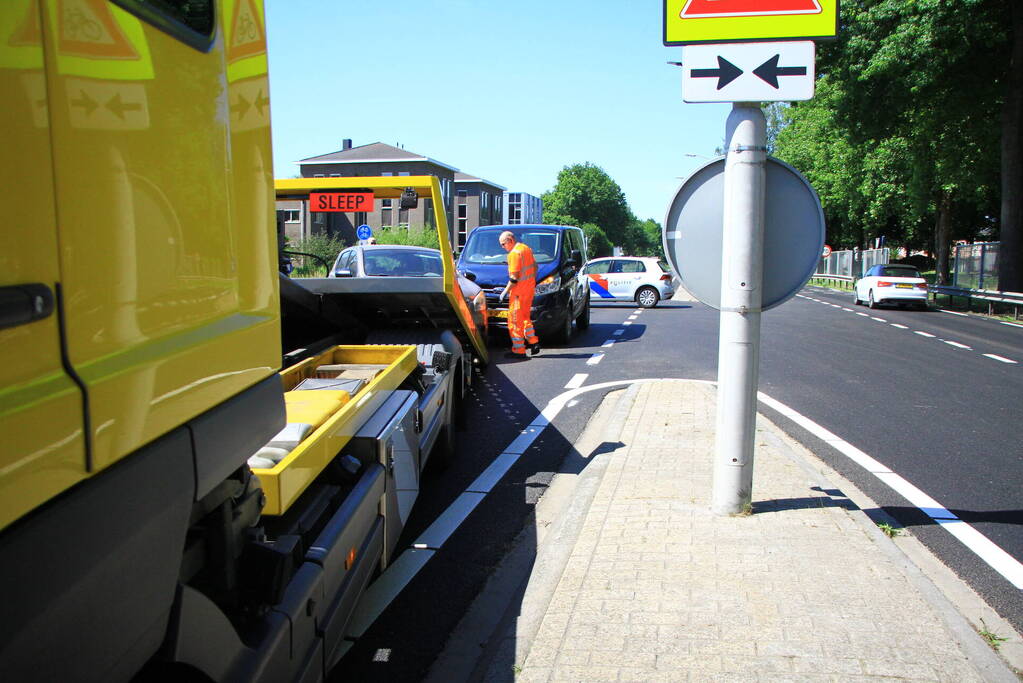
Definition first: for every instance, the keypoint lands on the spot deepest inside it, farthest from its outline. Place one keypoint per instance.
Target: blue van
(562, 292)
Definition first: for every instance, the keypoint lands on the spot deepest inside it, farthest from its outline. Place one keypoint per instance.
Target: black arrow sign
(725, 73)
(769, 71)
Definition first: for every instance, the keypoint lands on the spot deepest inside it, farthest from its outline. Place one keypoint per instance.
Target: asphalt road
(942, 416)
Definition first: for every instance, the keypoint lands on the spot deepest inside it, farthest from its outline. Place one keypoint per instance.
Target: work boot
(511, 355)
(534, 349)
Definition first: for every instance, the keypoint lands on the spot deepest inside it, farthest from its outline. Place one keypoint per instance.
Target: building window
(485, 199)
(403, 217)
(462, 193)
(463, 211)
(385, 217)
(462, 223)
(385, 203)
(387, 173)
(428, 212)
(292, 216)
(404, 173)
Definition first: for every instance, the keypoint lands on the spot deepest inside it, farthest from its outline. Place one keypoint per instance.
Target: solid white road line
(576, 381)
(981, 546)
(954, 313)
(999, 358)
(1011, 324)
(393, 580)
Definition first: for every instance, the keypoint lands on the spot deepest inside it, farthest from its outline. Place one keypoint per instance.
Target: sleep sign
(341, 201)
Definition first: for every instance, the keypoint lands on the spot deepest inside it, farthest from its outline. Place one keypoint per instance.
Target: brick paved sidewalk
(658, 588)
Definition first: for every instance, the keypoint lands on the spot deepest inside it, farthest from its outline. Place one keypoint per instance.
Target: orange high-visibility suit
(522, 276)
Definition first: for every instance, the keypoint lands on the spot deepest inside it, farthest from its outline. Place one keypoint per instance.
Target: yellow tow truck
(202, 463)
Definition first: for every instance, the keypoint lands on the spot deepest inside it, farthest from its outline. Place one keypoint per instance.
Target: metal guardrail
(991, 296)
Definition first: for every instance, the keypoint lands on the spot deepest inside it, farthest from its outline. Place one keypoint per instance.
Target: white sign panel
(748, 72)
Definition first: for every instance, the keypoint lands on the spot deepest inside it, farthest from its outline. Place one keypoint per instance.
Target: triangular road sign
(698, 9)
(246, 38)
(86, 28)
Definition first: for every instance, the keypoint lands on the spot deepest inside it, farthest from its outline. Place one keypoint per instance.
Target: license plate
(903, 285)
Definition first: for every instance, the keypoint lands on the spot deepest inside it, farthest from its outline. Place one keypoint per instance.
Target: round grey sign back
(793, 232)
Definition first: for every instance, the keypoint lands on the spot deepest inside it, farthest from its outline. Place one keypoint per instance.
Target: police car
(644, 280)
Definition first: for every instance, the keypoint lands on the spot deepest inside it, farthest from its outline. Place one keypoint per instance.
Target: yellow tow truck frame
(391, 187)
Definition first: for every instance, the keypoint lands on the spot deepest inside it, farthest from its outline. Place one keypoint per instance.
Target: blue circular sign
(363, 232)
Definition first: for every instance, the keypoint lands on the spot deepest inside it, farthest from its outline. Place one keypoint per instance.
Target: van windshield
(483, 247)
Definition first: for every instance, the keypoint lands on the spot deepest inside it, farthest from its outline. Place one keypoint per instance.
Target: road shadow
(909, 516)
(403, 642)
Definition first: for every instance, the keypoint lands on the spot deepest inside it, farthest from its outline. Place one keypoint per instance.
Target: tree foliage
(901, 137)
(586, 196)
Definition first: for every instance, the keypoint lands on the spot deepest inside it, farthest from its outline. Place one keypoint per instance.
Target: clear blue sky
(511, 91)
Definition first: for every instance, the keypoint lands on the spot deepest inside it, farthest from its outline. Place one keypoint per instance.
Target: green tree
(597, 242)
(922, 82)
(320, 245)
(589, 195)
(416, 236)
(899, 137)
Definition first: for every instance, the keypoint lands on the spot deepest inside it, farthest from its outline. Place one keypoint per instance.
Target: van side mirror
(576, 258)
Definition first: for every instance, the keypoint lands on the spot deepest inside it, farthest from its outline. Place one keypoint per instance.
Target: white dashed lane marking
(595, 358)
(577, 381)
(928, 335)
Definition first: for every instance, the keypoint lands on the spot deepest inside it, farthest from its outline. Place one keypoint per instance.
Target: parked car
(891, 283)
(645, 280)
(392, 260)
(561, 294)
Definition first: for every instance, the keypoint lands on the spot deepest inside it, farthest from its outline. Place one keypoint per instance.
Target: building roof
(375, 152)
(466, 178)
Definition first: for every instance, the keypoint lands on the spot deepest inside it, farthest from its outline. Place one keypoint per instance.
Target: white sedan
(891, 284)
(641, 279)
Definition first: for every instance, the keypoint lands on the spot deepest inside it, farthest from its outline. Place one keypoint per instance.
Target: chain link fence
(975, 266)
(850, 264)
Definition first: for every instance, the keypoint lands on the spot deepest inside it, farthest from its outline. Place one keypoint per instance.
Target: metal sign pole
(741, 298)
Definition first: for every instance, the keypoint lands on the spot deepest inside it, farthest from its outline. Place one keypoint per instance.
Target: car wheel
(564, 331)
(856, 298)
(647, 297)
(583, 321)
(870, 299)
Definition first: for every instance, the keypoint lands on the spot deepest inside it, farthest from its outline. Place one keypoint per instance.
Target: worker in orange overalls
(521, 285)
